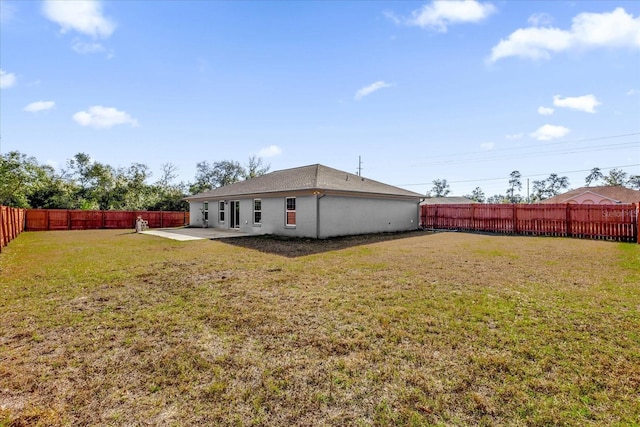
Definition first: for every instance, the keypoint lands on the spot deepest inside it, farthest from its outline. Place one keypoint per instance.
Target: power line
(617, 146)
(523, 176)
(598, 138)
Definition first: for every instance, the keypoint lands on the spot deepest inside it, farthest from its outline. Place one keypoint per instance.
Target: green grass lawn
(114, 328)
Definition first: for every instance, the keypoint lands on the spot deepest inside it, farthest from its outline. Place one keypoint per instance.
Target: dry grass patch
(114, 328)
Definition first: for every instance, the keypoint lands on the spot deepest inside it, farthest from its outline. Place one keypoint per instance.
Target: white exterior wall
(343, 216)
(195, 214)
(339, 216)
(273, 216)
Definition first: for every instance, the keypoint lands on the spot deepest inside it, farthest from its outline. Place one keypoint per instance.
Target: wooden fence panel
(85, 220)
(12, 222)
(610, 222)
(60, 219)
(119, 219)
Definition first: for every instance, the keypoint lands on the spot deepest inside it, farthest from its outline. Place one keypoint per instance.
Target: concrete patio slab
(186, 233)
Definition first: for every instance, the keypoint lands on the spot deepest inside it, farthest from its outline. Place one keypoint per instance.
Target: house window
(205, 211)
(290, 214)
(257, 211)
(221, 211)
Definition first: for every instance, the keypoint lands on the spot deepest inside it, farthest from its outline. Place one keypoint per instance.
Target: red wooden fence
(11, 224)
(607, 222)
(61, 219)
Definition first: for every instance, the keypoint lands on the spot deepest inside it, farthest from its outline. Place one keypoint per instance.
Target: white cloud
(7, 79)
(540, 20)
(270, 151)
(368, 90)
(519, 135)
(586, 103)
(588, 30)
(549, 132)
(86, 48)
(83, 16)
(487, 146)
(34, 107)
(440, 13)
(632, 92)
(545, 111)
(103, 117)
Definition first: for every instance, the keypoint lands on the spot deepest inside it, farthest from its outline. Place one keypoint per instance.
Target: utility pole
(359, 166)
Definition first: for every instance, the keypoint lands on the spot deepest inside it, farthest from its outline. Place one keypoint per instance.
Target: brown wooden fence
(11, 224)
(607, 222)
(61, 219)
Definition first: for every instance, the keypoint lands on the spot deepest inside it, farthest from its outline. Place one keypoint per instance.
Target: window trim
(287, 211)
(205, 211)
(221, 211)
(255, 211)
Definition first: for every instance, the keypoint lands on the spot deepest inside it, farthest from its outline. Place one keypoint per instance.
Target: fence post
(568, 220)
(473, 220)
(515, 218)
(635, 226)
(1, 227)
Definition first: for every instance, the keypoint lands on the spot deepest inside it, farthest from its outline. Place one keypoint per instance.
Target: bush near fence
(62, 219)
(606, 222)
(12, 221)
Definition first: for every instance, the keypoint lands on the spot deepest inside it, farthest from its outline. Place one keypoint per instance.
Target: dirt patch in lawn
(292, 247)
(106, 328)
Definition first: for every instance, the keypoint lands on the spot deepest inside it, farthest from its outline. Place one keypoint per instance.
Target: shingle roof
(617, 193)
(312, 177)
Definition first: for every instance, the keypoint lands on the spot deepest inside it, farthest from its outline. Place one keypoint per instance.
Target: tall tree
(634, 182)
(255, 167)
(594, 176)
(497, 198)
(514, 183)
(555, 184)
(477, 195)
(552, 186)
(228, 171)
(440, 188)
(20, 176)
(616, 177)
(214, 175)
(168, 172)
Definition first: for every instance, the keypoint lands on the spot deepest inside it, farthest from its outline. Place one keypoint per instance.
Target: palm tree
(595, 175)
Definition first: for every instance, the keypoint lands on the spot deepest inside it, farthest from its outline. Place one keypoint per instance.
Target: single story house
(601, 195)
(310, 201)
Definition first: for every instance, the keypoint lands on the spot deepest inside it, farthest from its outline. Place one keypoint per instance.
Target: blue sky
(458, 90)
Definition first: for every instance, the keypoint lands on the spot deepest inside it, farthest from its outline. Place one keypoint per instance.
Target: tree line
(87, 184)
(541, 189)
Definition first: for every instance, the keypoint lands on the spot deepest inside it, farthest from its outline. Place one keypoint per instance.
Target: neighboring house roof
(314, 177)
(615, 193)
(453, 200)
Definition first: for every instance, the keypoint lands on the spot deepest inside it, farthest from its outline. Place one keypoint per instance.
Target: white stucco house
(310, 201)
